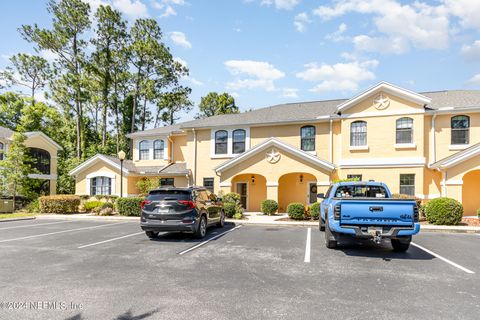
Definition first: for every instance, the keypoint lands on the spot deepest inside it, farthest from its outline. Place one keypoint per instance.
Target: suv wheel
(221, 223)
(152, 234)
(202, 228)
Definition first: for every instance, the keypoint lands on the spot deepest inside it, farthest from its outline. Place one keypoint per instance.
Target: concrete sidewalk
(256, 218)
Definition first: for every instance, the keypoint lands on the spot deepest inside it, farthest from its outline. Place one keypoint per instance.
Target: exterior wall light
(301, 178)
(253, 179)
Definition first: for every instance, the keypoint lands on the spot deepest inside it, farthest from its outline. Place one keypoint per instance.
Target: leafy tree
(214, 104)
(170, 103)
(14, 168)
(70, 22)
(33, 72)
(11, 106)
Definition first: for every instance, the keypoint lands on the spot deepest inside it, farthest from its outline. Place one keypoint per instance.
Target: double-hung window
(144, 150)
(404, 131)
(238, 141)
(460, 126)
(358, 134)
(221, 142)
(158, 149)
(101, 185)
(407, 184)
(307, 134)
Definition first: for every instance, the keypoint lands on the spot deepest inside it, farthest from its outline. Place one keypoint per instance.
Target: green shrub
(90, 205)
(478, 213)
(106, 205)
(315, 210)
(145, 185)
(231, 197)
(129, 206)
(106, 212)
(230, 208)
(33, 207)
(296, 211)
(66, 203)
(445, 211)
(99, 196)
(269, 207)
(238, 215)
(84, 196)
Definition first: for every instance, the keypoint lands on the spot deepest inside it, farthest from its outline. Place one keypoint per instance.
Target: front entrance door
(312, 192)
(242, 191)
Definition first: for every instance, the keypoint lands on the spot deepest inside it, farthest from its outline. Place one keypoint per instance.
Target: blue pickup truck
(366, 210)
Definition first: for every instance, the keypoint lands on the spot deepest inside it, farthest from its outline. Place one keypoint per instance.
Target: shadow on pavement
(382, 251)
(189, 238)
(124, 316)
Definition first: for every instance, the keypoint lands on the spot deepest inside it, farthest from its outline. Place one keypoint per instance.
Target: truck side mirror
(321, 196)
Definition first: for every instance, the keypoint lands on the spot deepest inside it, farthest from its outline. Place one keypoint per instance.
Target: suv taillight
(415, 214)
(188, 203)
(336, 212)
(144, 202)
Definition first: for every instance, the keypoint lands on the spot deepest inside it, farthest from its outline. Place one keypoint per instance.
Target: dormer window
(238, 141)
(460, 126)
(158, 149)
(221, 142)
(143, 150)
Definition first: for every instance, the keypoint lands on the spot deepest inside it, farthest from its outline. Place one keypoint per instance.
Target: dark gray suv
(190, 209)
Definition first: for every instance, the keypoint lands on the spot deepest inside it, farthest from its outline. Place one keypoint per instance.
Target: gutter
(170, 149)
(195, 157)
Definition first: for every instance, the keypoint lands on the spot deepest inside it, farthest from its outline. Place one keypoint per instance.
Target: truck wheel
(401, 245)
(321, 224)
(152, 234)
(330, 241)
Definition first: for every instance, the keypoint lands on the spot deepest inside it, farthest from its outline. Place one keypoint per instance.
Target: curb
(86, 217)
(274, 223)
(17, 219)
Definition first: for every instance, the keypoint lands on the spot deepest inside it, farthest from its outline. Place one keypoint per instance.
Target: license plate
(375, 229)
(162, 211)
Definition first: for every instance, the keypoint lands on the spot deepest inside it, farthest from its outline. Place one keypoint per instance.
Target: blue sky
(266, 52)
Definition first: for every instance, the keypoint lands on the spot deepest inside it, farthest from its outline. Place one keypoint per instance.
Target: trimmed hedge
(90, 205)
(62, 203)
(296, 211)
(478, 213)
(444, 211)
(230, 208)
(129, 206)
(269, 207)
(315, 210)
(232, 197)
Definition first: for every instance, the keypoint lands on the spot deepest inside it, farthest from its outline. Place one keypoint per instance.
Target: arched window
(307, 141)
(40, 160)
(358, 134)
(2, 150)
(101, 185)
(144, 151)
(460, 130)
(238, 140)
(158, 149)
(221, 142)
(404, 130)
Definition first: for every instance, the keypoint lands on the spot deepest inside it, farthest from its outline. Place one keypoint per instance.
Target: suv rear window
(159, 195)
(361, 191)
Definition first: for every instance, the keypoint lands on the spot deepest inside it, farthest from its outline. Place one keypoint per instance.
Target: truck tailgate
(391, 212)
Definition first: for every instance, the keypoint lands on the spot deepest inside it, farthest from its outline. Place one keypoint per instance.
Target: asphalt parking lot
(110, 270)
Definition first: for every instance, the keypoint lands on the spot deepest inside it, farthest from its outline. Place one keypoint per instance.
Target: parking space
(111, 270)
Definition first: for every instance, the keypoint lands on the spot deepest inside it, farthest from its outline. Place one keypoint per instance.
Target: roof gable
(93, 160)
(387, 88)
(457, 158)
(273, 142)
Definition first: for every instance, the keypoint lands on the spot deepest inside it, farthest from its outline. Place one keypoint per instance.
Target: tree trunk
(144, 113)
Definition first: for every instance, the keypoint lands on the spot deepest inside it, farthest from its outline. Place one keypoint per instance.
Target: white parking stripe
(63, 231)
(207, 241)
(109, 240)
(307, 245)
(442, 258)
(35, 225)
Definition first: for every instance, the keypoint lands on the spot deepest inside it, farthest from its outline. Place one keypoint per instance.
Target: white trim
(457, 157)
(323, 183)
(43, 135)
(272, 184)
(456, 147)
(382, 162)
(113, 181)
(101, 174)
(452, 183)
(226, 184)
(309, 183)
(405, 146)
(388, 88)
(383, 114)
(281, 145)
(247, 196)
(43, 176)
(428, 196)
(358, 148)
(229, 153)
(151, 152)
(92, 160)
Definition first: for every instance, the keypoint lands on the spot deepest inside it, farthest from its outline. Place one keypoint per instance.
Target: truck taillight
(144, 202)
(188, 203)
(416, 217)
(336, 212)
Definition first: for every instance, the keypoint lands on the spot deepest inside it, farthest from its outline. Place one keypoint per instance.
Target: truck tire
(152, 234)
(330, 241)
(401, 245)
(321, 224)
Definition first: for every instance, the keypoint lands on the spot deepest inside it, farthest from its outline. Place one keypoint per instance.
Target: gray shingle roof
(5, 133)
(309, 111)
(175, 168)
(170, 169)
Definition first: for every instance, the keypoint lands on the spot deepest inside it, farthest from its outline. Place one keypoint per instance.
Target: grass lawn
(15, 215)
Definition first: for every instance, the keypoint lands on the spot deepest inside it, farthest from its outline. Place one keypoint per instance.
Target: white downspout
(194, 157)
(171, 148)
(331, 140)
(434, 142)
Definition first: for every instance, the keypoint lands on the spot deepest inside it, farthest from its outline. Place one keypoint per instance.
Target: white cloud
(168, 7)
(181, 61)
(194, 81)
(471, 52)
(94, 4)
(300, 22)
(259, 74)
(48, 55)
(169, 11)
(132, 8)
(337, 36)
(467, 11)
(338, 77)
(418, 24)
(474, 81)
(279, 4)
(290, 93)
(180, 39)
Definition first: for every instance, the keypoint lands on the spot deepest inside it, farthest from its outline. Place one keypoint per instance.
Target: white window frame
(229, 153)
(110, 175)
(150, 149)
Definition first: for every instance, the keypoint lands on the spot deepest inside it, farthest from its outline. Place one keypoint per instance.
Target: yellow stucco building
(422, 144)
(43, 151)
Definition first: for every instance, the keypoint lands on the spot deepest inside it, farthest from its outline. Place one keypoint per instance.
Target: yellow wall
(256, 191)
(291, 189)
(470, 193)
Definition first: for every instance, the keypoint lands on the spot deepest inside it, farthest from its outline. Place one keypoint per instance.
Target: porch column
(272, 190)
